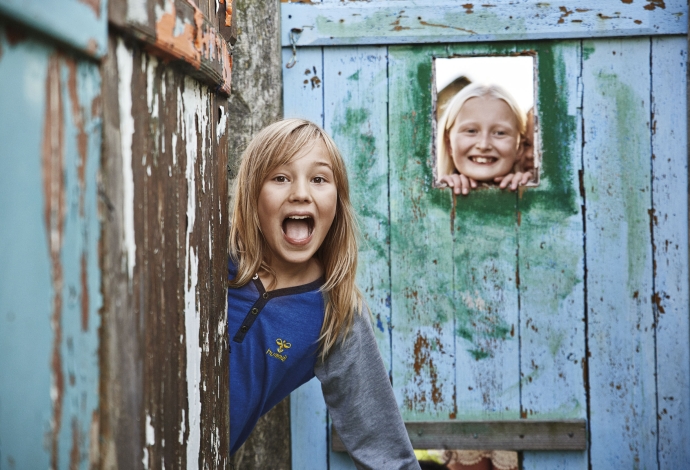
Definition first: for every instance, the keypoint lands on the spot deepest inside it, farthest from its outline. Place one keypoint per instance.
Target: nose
(300, 191)
(484, 141)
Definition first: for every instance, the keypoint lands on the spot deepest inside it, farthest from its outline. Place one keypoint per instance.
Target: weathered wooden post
(256, 101)
(114, 234)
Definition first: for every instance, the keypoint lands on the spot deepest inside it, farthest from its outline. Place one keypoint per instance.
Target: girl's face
(297, 205)
(484, 138)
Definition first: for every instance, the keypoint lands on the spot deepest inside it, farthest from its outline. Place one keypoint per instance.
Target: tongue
(296, 229)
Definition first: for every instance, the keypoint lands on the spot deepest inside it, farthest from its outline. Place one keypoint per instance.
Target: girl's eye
(280, 179)
(319, 179)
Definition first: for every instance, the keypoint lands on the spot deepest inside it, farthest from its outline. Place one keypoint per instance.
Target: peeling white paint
(151, 98)
(150, 432)
(125, 66)
(220, 130)
(174, 148)
(190, 104)
(182, 428)
(136, 11)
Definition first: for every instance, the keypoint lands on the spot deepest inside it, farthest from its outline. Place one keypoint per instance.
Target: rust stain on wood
(422, 362)
(74, 457)
(82, 136)
(566, 13)
(52, 163)
(436, 25)
(653, 4)
(469, 8)
(84, 293)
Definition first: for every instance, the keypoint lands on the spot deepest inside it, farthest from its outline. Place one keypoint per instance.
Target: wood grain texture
(356, 114)
(485, 288)
(493, 435)
(254, 103)
(423, 342)
(169, 266)
(50, 279)
(80, 25)
(551, 258)
(303, 97)
(429, 21)
(620, 319)
(355, 85)
(180, 32)
(670, 234)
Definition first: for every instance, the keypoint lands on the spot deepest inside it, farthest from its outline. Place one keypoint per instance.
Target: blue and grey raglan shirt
(274, 349)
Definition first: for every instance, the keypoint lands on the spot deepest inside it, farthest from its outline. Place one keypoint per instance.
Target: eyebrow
(323, 163)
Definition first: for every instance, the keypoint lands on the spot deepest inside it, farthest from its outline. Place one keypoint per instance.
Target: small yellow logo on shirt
(282, 346)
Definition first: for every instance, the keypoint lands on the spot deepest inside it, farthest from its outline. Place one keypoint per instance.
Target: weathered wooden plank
(670, 236)
(181, 32)
(551, 258)
(356, 115)
(531, 435)
(619, 316)
(485, 293)
(255, 102)
(50, 298)
(303, 97)
(423, 341)
(429, 21)
(167, 259)
(78, 24)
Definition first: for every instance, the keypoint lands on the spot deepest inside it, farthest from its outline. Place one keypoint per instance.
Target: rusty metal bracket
(294, 37)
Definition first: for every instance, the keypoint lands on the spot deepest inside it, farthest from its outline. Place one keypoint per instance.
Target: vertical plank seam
(389, 324)
(655, 294)
(519, 300)
(323, 125)
(454, 232)
(585, 279)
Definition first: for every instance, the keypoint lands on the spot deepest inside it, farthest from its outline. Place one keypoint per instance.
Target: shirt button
(255, 311)
(265, 295)
(244, 328)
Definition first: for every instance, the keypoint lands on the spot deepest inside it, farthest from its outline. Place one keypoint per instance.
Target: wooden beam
(446, 21)
(492, 435)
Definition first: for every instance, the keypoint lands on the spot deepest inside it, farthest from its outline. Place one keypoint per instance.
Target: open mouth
(298, 228)
(483, 160)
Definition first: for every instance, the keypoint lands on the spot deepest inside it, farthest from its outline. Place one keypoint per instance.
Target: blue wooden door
(50, 129)
(564, 301)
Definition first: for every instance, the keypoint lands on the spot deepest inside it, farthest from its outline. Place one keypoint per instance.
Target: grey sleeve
(361, 403)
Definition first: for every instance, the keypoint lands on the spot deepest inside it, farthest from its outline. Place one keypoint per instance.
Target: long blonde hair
(444, 161)
(274, 146)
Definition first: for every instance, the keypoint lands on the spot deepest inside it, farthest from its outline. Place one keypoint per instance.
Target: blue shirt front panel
(273, 348)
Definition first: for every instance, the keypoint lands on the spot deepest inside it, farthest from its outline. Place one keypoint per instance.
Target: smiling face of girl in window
(484, 140)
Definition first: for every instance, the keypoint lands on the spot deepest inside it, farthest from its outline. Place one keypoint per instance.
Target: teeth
(299, 217)
(484, 159)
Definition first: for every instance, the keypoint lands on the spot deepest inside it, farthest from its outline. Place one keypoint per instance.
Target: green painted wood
(670, 236)
(303, 97)
(493, 435)
(423, 340)
(448, 21)
(82, 25)
(551, 258)
(485, 293)
(355, 115)
(620, 321)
